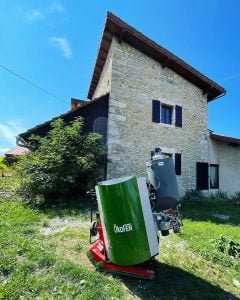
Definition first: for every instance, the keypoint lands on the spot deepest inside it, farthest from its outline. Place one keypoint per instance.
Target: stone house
(224, 163)
(15, 152)
(151, 98)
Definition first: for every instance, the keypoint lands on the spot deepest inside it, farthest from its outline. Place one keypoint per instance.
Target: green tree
(3, 165)
(63, 162)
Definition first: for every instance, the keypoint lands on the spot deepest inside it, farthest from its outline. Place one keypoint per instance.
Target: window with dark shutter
(156, 111)
(202, 176)
(178, 163)
(178, 110)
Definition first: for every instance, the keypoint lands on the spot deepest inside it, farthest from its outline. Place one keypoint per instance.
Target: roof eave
(118, 28)
(225, 139)
(24, 135)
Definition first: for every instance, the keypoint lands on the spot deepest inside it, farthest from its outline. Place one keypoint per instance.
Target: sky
(54, 45)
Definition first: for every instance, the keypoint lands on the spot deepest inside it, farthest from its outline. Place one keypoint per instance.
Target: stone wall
(135, 81)
(228, 159)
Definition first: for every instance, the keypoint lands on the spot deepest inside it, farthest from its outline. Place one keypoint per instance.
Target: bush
(236, 198)
(3, 166)
(9, 186)
(193, 195)
(219, 196)
(64, 162)
(227, 246)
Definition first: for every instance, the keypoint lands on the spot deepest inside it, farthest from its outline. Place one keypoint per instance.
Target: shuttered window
(178, 163)
(202, 176)
(156, 104)
(163, 113)
(178, 112)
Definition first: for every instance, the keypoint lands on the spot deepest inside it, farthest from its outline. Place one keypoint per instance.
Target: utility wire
(32, 83)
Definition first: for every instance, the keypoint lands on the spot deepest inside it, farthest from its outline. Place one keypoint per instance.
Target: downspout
(219, 166)
(209, 161)
(209, 138)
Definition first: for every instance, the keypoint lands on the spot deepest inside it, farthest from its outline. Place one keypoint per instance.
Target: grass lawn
(43, 256)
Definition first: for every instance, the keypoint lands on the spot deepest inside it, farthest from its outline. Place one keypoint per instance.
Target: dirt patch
(57, 224)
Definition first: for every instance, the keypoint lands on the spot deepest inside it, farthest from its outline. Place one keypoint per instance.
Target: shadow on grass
(206, 209)
(174, 283)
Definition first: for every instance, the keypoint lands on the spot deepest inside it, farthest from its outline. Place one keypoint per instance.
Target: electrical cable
(33, 84)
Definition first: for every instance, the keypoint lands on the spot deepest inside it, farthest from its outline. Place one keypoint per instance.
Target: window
(166, 114)
(203, 171)
(214, 177)
(202, 176)
(100, 126)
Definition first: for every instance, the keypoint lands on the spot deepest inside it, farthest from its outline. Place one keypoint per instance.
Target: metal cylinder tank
(124, 210)
(161, 174)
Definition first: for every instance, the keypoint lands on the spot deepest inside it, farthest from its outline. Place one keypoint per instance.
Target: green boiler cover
(127, 222)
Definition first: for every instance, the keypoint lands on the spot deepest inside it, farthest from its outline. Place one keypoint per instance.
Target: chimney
(75, 103)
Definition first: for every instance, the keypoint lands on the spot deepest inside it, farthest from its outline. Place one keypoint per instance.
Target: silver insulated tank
(161, 175)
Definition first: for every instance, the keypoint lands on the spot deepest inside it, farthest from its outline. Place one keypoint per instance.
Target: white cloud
(231, 77)
(3, 150)
(63, 44)
(34, 15)
(9, 131)
(58, 7)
